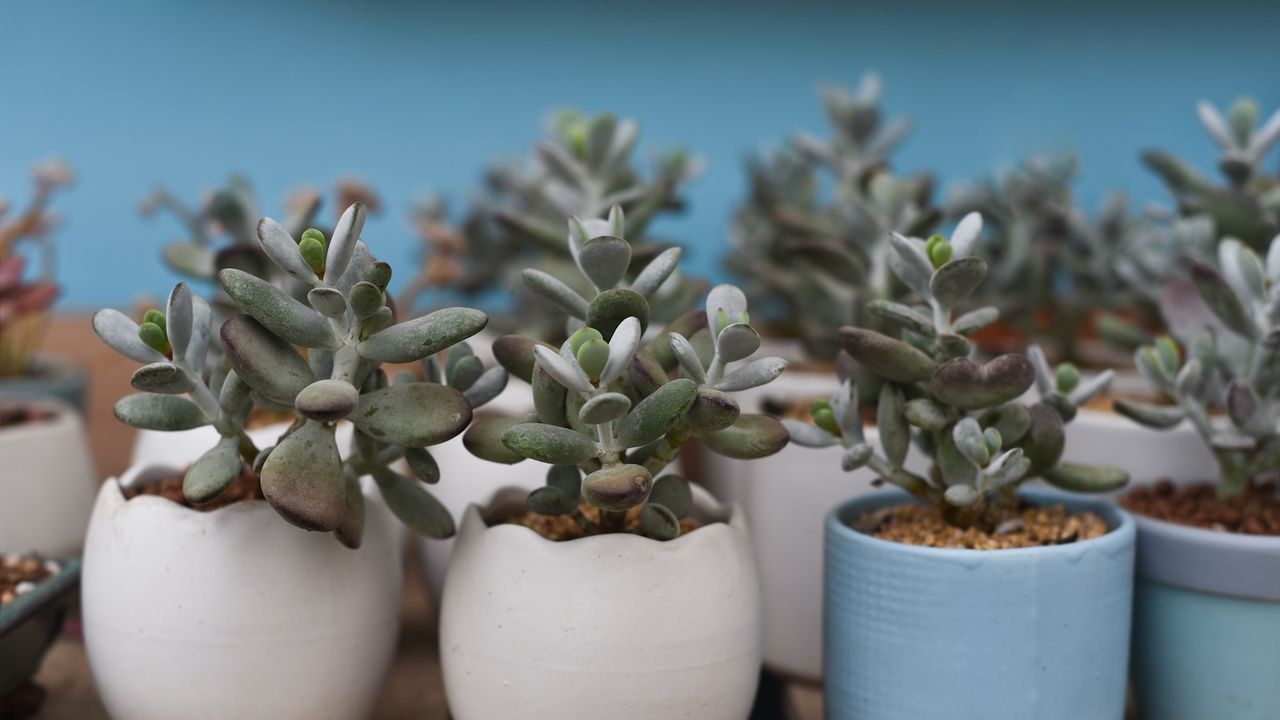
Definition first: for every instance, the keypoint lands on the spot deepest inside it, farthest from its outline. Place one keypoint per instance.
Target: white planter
(610, 626)
(47, 484)
(1108, 438)
(234, 613)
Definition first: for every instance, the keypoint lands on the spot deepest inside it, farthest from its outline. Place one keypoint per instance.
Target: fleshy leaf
(119, 332)
(213, 472)
(963, 383)
(303, 480)
(657, 413)
(886, 356)
(412, 414)
(292, 321)
(414, 505)
(415, 339)
(750, 437)
(550, 444)
(484, 439)
(264, 361)
(149, 411)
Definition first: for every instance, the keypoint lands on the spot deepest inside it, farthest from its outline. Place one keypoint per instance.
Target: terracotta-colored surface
(71, 337)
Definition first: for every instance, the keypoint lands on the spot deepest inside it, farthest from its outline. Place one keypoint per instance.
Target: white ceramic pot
(234, 613)
(1108, 438)
(47, 484)
(610, 626)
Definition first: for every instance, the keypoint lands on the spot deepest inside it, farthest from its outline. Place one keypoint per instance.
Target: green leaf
(604, 260)
(550, 444)
(422, 464)
(659, 522)
(611, 307)
(674, 493)
(121, 334)
(515, 353)
(750, 437)
(965, 384)
(548, 500)
(213, 472)
(555, 290)
(618, 488)
(415, 339)
(1222, 300)
(895, 435)
(285, 317)
(351, 532)
(412, 414)
(484, 439)
(652, 417)
(327, 400)
(148, 411)
(605, 408)
(303, 480)
(957, 279)
(264, 361)
(712, 410)
(887, 357)
(162, 377)
(414, 505)
(1157, 416)
(1087, 478)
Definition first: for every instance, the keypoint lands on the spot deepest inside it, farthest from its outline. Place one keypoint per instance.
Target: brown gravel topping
(19, 574)
(563, 527)
(1256, 512)
(246, 487)
(1033, 527)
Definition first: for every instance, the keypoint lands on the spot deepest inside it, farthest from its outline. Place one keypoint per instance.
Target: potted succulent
(810, 259)
(613, 575)
(34, 595)
(221, 232)
(203, 595)
(1207, 611)
(1247, 206)
(581, 168)
(1012, 604)
(24, 302)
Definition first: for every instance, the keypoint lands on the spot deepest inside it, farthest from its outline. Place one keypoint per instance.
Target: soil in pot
(19, 574)
(1254, 512)
(12, 415)
(1032, 526)
(245, 487)
(563, 527)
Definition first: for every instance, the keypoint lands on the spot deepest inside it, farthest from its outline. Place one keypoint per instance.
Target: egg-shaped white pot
(234, 613)
(47, 483)
(610, 626)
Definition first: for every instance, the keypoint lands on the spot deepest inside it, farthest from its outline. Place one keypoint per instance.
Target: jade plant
(1056, 269)
(969, 418)
(1225, 380)
(582, 168)
(617, 410)
(348, 331)
(23, 301)
(810, 257)
(1246, 205)
(222, 228)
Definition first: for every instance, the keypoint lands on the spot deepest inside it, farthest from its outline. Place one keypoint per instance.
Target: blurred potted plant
(221, 233)
(24, 303)
(1207, 613)
(808, 245)
(581, 168)
(613, 569)
(34, 595)
(198, 601)
(1013, 605)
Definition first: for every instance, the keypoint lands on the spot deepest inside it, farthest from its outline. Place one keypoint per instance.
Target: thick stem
(668, 448)
(612, 521)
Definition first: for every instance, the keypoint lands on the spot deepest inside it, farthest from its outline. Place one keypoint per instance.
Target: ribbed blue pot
(917, 633)
(1206, 625)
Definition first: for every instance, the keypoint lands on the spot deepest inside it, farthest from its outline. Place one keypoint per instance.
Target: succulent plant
(584, 167)
(23, 302)
(348, 331)
(618, 410)
(1055, 269)
(1227, 381)
(232, 213)
(1247, 205)
(811, 262)
(969, 418)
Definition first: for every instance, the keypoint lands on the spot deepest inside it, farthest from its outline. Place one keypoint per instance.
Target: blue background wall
(412, 97)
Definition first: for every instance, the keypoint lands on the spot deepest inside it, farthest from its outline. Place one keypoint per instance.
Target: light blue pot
(1206, 633)
(917, 633)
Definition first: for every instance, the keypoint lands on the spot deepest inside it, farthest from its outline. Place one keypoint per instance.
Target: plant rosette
(48, 481)
(1207, 610)
(185, 615)
(654, 629)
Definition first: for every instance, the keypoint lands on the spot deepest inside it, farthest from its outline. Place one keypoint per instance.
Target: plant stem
(668, 448)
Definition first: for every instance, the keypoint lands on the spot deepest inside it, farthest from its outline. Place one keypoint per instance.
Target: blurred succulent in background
(582, 168)
(222, 228)
(810, 262)
(618, 410)
(348, 331)
(968, 418)
(1057, 274)
(24, 301)
(1228, 382)
(1247, 205)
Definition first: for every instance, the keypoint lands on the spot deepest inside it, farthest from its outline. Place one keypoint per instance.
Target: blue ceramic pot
(1206, 625)
(917, 633)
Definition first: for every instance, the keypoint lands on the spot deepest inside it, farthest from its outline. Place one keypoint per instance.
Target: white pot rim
(64, 417)
(723, 519)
